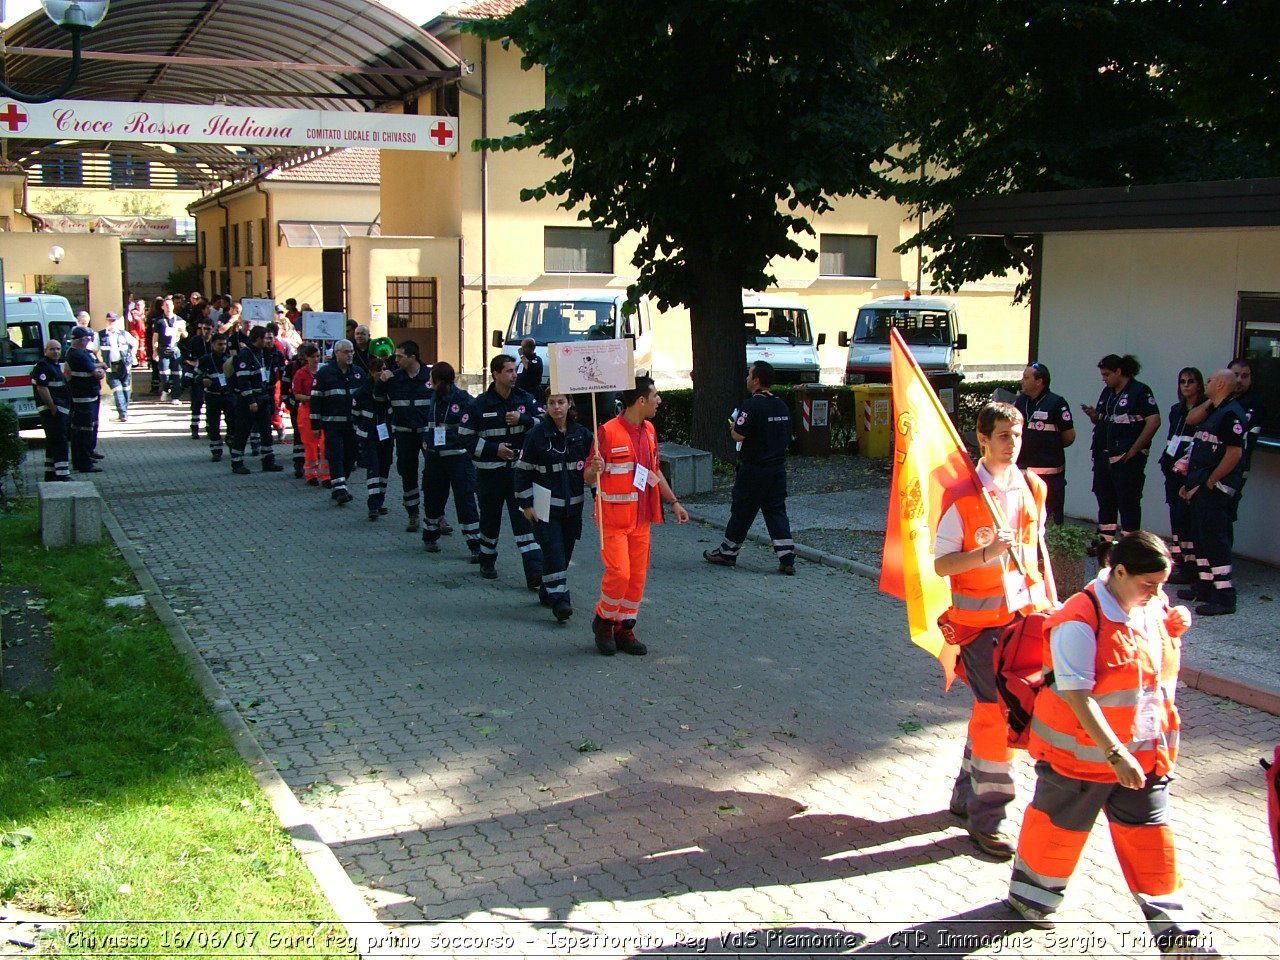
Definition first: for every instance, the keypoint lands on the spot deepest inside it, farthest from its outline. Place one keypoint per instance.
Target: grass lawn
(121, 795)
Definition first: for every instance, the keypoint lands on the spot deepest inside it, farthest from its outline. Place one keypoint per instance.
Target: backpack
(1019, 670)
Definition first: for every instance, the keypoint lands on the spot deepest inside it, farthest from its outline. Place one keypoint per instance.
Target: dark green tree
(711, 130)
(1010, 96)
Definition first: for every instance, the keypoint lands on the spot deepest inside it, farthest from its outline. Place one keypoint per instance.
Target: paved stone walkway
(779, 764)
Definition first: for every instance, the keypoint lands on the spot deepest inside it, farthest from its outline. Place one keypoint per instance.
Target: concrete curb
(1206, 681)
(353, 911)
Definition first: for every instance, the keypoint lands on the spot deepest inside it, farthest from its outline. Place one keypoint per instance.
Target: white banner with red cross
(231, 126)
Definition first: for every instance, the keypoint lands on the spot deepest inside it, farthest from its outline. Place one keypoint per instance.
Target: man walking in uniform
(253, 367)
(85, 375)
(632, 489)
(408, 389)
(119, 348)
(333, 402)
(529, 368)
(216, 394)
(1215, 472)
(994, 570)
(1047, 432)
(53, 397)
(762, 430)
(494, 426)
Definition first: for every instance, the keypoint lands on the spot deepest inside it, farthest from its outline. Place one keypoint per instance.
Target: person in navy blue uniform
(1214, 471)
(1177, 445)
(373, 428)
(494, 426)
(253, 369)
(194, 346)
(763, 428)
(333, 402)
(529, 368)
(118, 351)
(216, 393)
(53, 397)
(1125, 419)
(554, 457)
(85, 376)
(448, 465)
(1242, 367)
(1047, 432)
(408, 390)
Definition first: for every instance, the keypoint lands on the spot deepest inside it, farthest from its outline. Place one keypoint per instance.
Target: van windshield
(926, 328)
(23, 345)
(559, 321)
(777, 325)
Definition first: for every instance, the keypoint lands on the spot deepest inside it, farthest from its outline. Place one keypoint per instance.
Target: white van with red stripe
(31, 320)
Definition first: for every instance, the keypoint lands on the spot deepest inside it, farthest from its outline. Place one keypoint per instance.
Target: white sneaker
(1032, 915)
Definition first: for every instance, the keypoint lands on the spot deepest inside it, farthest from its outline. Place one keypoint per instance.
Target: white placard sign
(324, 325)
(258, 310)
(230, 126)
(592, 366)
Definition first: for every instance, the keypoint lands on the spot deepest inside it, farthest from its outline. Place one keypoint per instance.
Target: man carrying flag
(980, 529)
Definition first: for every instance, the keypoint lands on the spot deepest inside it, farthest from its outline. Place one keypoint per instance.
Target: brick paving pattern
(779, 763)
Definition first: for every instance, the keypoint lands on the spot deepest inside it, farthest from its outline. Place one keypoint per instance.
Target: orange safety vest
(619, 498)
(1124, 675)
(977, 596)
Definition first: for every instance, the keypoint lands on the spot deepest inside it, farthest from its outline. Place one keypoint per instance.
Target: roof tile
(354, 165)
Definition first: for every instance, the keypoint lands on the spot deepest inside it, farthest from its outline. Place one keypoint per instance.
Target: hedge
(675, 416)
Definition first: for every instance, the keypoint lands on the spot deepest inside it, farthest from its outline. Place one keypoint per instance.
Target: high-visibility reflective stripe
(966, 601)
(620, 467)
(619, 497)
(492, 464)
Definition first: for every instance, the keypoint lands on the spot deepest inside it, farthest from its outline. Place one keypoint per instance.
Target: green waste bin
(873, 413)
(814, 407)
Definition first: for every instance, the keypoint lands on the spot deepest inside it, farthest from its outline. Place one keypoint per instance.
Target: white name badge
(641, 479)
(266, 374)
(383, 432)
(1175, 444)
(221, 378)
(1016, 593)
(1146, 722)
(438, 437)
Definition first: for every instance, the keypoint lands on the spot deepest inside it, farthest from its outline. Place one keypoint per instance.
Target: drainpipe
(37, 223)
(266, 251)
(226, 244)
(484, 209)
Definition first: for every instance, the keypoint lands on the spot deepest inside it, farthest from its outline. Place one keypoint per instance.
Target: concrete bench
(686, 469)
(70, 512)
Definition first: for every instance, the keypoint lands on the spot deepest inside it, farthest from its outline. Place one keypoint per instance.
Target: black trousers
(496, 488)
(1214, 514)
(557, 538)
(760, 489)
(256, 422)
(197, 404)
(341, 449)
(1118, 489)
(217, 408)
(439, 476)
(57, 445)
(375, 457)
(84, 430)
(408, 458)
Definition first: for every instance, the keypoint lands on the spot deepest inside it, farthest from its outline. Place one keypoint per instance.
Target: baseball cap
(79, 333)
(279, 309)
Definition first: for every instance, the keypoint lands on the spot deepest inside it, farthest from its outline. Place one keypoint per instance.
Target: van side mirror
(822, 338)
(844, 338)
(497, 339)
(962, 341)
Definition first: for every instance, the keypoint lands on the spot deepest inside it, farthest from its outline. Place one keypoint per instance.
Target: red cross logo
(441, 133)
(13, 117)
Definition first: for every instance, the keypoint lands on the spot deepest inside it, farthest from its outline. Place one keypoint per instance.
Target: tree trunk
(719, 360)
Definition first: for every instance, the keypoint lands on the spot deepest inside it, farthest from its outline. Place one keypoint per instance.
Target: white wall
(1169, 298)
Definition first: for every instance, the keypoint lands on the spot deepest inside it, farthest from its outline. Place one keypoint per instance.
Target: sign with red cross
(13, 118)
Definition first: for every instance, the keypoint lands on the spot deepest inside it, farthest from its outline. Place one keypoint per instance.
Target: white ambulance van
(559, 316)
(778, 331)
(929, 325)
(31, 320)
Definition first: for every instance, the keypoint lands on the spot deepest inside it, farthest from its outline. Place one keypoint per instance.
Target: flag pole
(595, 431)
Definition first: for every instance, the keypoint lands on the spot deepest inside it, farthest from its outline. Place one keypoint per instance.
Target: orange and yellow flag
(931, 468)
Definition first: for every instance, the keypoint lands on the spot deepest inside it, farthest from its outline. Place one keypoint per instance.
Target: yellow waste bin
(873, 412)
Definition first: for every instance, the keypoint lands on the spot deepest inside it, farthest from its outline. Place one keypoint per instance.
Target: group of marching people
(375, 405)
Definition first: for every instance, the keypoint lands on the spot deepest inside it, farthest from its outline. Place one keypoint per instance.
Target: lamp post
(77, 17)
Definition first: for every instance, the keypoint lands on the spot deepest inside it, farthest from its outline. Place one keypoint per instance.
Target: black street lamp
(77, 17)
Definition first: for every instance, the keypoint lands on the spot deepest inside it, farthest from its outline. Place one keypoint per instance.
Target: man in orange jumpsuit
(632, 489)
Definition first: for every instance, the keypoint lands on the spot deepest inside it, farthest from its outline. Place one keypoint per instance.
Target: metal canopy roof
(348, 55)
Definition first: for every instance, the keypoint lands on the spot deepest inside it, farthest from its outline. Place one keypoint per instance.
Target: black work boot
(625, 637)
(604, 633)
